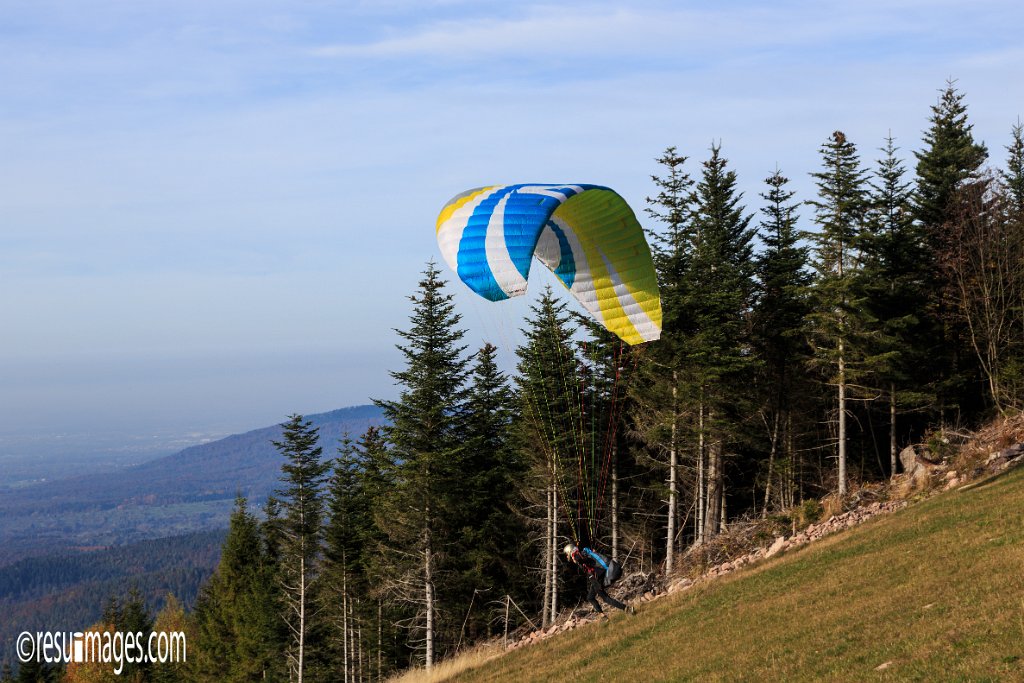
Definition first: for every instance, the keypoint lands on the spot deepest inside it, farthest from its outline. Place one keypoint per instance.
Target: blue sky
(211, 211)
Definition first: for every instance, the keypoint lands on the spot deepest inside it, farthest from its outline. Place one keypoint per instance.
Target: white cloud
(602, 31)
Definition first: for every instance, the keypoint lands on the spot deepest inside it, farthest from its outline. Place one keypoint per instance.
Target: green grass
(936, 589)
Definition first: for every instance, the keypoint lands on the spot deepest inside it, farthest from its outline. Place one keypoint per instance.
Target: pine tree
(550, 434)
(1013, 176)
(238, 637)
(838, 318)
(343, 603)
(488, 558)
(672, 247)
(893, 277)
(781, 307)
(425, 424)
(134, 617)
(37, 671)
(949, 158)
(661, 374)
(721, 286)
(303, 474)
(377, 473)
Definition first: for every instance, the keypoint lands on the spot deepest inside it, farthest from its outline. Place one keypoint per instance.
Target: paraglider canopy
(587, 235)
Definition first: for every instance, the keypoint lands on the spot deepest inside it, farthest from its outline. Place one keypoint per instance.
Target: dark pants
(595, 589)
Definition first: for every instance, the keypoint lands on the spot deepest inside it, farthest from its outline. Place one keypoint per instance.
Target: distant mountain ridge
(191, 490)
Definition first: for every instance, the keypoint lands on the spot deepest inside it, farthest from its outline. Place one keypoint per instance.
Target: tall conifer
(424, 429)
(837, 323)
(779, 313)
(722, 287)
(344, 606)
(949, 158)
(301, 528)
(550, 434)
(893, 277)
(661, 388)
(236, 615)
(1013, 176)
(491, 534)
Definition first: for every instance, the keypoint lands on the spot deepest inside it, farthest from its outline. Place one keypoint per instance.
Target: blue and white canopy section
(586, 234)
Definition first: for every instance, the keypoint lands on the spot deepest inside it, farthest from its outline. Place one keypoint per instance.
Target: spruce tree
(721, 286)
(376, 475)
(1013, 176)
(781, 307)
(893, 277)
(837, 322)
(550, 435)
(37, 671)
(491, 534)
(134, 617)
(671, 247)
(949, 159)
(657, 393)
(344, 586)
(303, 475)
(238, 636)
(424, 429)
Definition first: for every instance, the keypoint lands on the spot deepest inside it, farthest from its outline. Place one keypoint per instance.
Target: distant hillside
(189, 491)
(67, 591)
(932, 592)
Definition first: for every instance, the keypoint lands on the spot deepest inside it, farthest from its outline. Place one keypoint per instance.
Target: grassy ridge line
(935, 590)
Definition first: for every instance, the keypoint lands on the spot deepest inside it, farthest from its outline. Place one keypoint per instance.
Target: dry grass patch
(449, 668)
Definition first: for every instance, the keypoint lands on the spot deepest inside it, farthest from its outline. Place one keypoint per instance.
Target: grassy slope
(936, 589)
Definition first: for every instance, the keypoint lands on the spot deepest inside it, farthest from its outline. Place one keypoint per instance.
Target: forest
(803, 346)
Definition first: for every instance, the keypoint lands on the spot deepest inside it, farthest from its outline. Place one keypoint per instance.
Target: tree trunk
(771, 464)
(701, 488)
(359, 649)
(554, 553)
(302, 611)
(344, 623)
(356, 648)
(723, 520)
(546, 557)
(892, 430)
(791, 458)
(713, 511)
(504, 640)
(615, 502)
(428, 585)
(670, 535)
(842, 422)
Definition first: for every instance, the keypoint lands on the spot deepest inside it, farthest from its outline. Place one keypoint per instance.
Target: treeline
(803, 346)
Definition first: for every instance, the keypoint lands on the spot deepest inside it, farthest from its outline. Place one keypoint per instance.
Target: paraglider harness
(610, 569)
